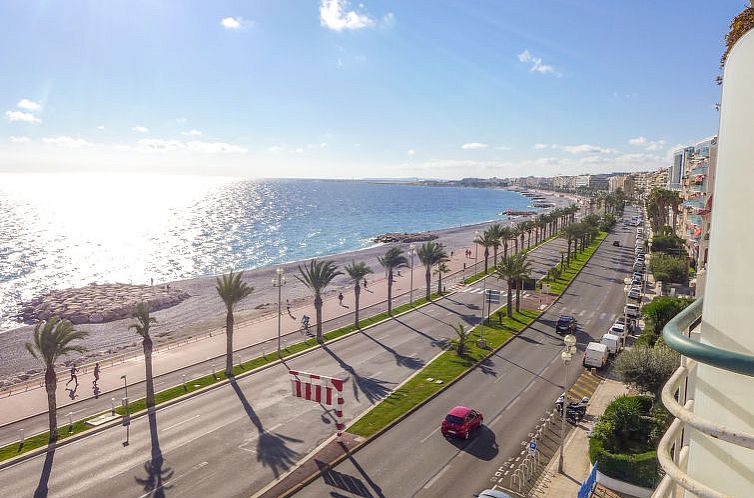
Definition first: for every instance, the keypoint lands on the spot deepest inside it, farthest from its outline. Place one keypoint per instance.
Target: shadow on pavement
(402, 360)
(156, 473)
(350, 483)
(44, 479)
(272, 448)
(373, 389)
(481, 445)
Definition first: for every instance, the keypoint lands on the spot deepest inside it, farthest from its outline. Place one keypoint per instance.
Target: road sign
(532, 447)
(492, 296)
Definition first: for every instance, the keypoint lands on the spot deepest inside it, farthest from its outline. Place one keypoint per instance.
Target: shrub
(647, 368)
(662, 309)
(669, 269)
(669, 244)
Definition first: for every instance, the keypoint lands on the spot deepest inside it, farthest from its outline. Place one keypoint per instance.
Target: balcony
(673, 450)
(700, 170)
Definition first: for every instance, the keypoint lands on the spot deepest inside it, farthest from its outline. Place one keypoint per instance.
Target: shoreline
(204, 311)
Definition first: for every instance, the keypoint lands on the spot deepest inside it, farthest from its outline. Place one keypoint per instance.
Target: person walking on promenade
(340, 298)
(288, 308)
(73, 375)
(96, 373)
(365, 283)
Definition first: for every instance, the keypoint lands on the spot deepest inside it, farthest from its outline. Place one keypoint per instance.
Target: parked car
(632, 310)
(616, 243)
(634, 293)
(618, 328)
(566, 324)
(595, 355)
(638, 274)
(493, 493)
(461, 421)
(613, 342)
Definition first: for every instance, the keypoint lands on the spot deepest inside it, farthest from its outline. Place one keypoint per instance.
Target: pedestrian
(288, 307)
(464, 265)
(73, 378)
(96, 373)
(151, 281)
(340, 298)
(365, 283)
(451, 254)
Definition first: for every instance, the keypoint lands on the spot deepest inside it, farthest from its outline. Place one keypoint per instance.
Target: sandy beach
(204, 311)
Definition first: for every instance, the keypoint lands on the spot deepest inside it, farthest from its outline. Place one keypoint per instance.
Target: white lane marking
(603, 316)
(582, 312)
(465, 290)
(430, 434)
(437, 476)
(179, 423)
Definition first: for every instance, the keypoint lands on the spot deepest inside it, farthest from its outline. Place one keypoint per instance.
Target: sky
(373, 89)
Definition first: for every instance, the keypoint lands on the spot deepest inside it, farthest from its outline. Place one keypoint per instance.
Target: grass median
(577, 263)
(445, 368)
(39, 440)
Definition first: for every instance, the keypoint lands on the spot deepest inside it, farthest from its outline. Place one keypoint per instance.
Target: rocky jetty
(405, 237)
(99, 303)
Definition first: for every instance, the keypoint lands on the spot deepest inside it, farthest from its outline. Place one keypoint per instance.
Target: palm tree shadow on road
(272, 448)
(406, 361)
(373, 389)
(44, 478)
(156, 472)
(350, 483)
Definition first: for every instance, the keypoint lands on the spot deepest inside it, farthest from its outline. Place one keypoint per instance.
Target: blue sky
(329, 88)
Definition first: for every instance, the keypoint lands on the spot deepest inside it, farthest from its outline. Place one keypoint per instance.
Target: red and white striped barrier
(320, 389)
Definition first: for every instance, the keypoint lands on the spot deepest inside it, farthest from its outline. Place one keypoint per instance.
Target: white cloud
(275, 149)
(101, 127)
(637, 141)
(235, 23)
(388, 20)
(536, 64)
(158, 145)
(541, 146)
(140, 129)
(333, 14)
(474, 146)
(586, 149)
(410, 152)
(323, 145)
(655, 145)
(192, 133)
(299, 150)
(29, 105)
(20, 140)
(26, 117)
(503, 147)
(69, 142)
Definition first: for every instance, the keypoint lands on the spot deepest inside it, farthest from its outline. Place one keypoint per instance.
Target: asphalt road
(235, 439)
(512, 390)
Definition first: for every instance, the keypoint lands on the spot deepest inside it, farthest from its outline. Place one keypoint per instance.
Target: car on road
(461, 421)
(634, 293)
(595, 355)
(632, 310)
(616, 243)
(566, 324)
(493, 493)
(618, 328)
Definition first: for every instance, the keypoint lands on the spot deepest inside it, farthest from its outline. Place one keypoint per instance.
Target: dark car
(461, 421)
(566, 325)
(616, 243)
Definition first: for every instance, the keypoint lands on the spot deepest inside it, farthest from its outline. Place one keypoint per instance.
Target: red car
(461, 421)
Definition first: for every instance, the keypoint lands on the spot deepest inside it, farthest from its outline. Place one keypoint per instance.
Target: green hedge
(641, 469)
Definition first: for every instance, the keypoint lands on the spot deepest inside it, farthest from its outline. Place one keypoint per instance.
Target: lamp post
(476, 250)
(566, 355)
(125, 383)
(411, 252)
(279, 282)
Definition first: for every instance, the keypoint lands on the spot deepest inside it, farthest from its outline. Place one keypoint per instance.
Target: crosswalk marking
(585, 385)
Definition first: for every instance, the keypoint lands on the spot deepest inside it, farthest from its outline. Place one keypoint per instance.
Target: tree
(486, 239)
(507, 270)
(356, 272)
(571, 232)
(441, 268)
(53, 339)
(231, 289)
(496, 232)
(462, 336)
(662, 309)
(506, 234)
(142, 328)
(668, 244)
(391, 261)
(669, 269)
(522, 272)
(317, 276)
(647, 368)
(431, 253)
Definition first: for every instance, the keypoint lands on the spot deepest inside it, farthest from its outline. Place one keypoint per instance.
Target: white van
(613, 342)
(632, 311)
(595, 355)
(618, 329)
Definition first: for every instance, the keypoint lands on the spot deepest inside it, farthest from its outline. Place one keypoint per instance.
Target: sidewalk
(34, 401)
(576, 465)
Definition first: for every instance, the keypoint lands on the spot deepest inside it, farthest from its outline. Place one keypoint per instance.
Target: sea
(69, 230)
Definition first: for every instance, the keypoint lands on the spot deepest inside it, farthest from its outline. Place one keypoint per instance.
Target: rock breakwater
(406, 237)
(99, 303)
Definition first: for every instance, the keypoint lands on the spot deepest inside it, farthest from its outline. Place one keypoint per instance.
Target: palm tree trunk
(528, 239)
(428, 278)
(318, 308)
(509, 307)
(229, 343)
(494, 259)
(505, 249)
(390, 292)
(439, 282)
(356, 295)
(519, 284)
(51, 384)
(148, 366)
(568, 262)
(486, 259)
(515, 239)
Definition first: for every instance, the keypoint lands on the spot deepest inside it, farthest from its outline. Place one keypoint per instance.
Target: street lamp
(476, 249)
(566, 355)
(411, 252)
(125, 383)
(279, 282)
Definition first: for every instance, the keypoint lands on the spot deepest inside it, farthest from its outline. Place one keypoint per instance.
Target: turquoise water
(61, 231)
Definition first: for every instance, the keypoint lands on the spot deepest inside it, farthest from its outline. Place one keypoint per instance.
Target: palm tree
(53, 339)
(486, 239)
(529, 227)
(495, 230)
(392, 260)
(505, 271)
(431, 253)
(521, 229)
(142, 328)
(356, 272)
(231, 290)
(523, 270)
(316, 277)
(441, 268)
(462, 336)
(506, 234)
(571, 233)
